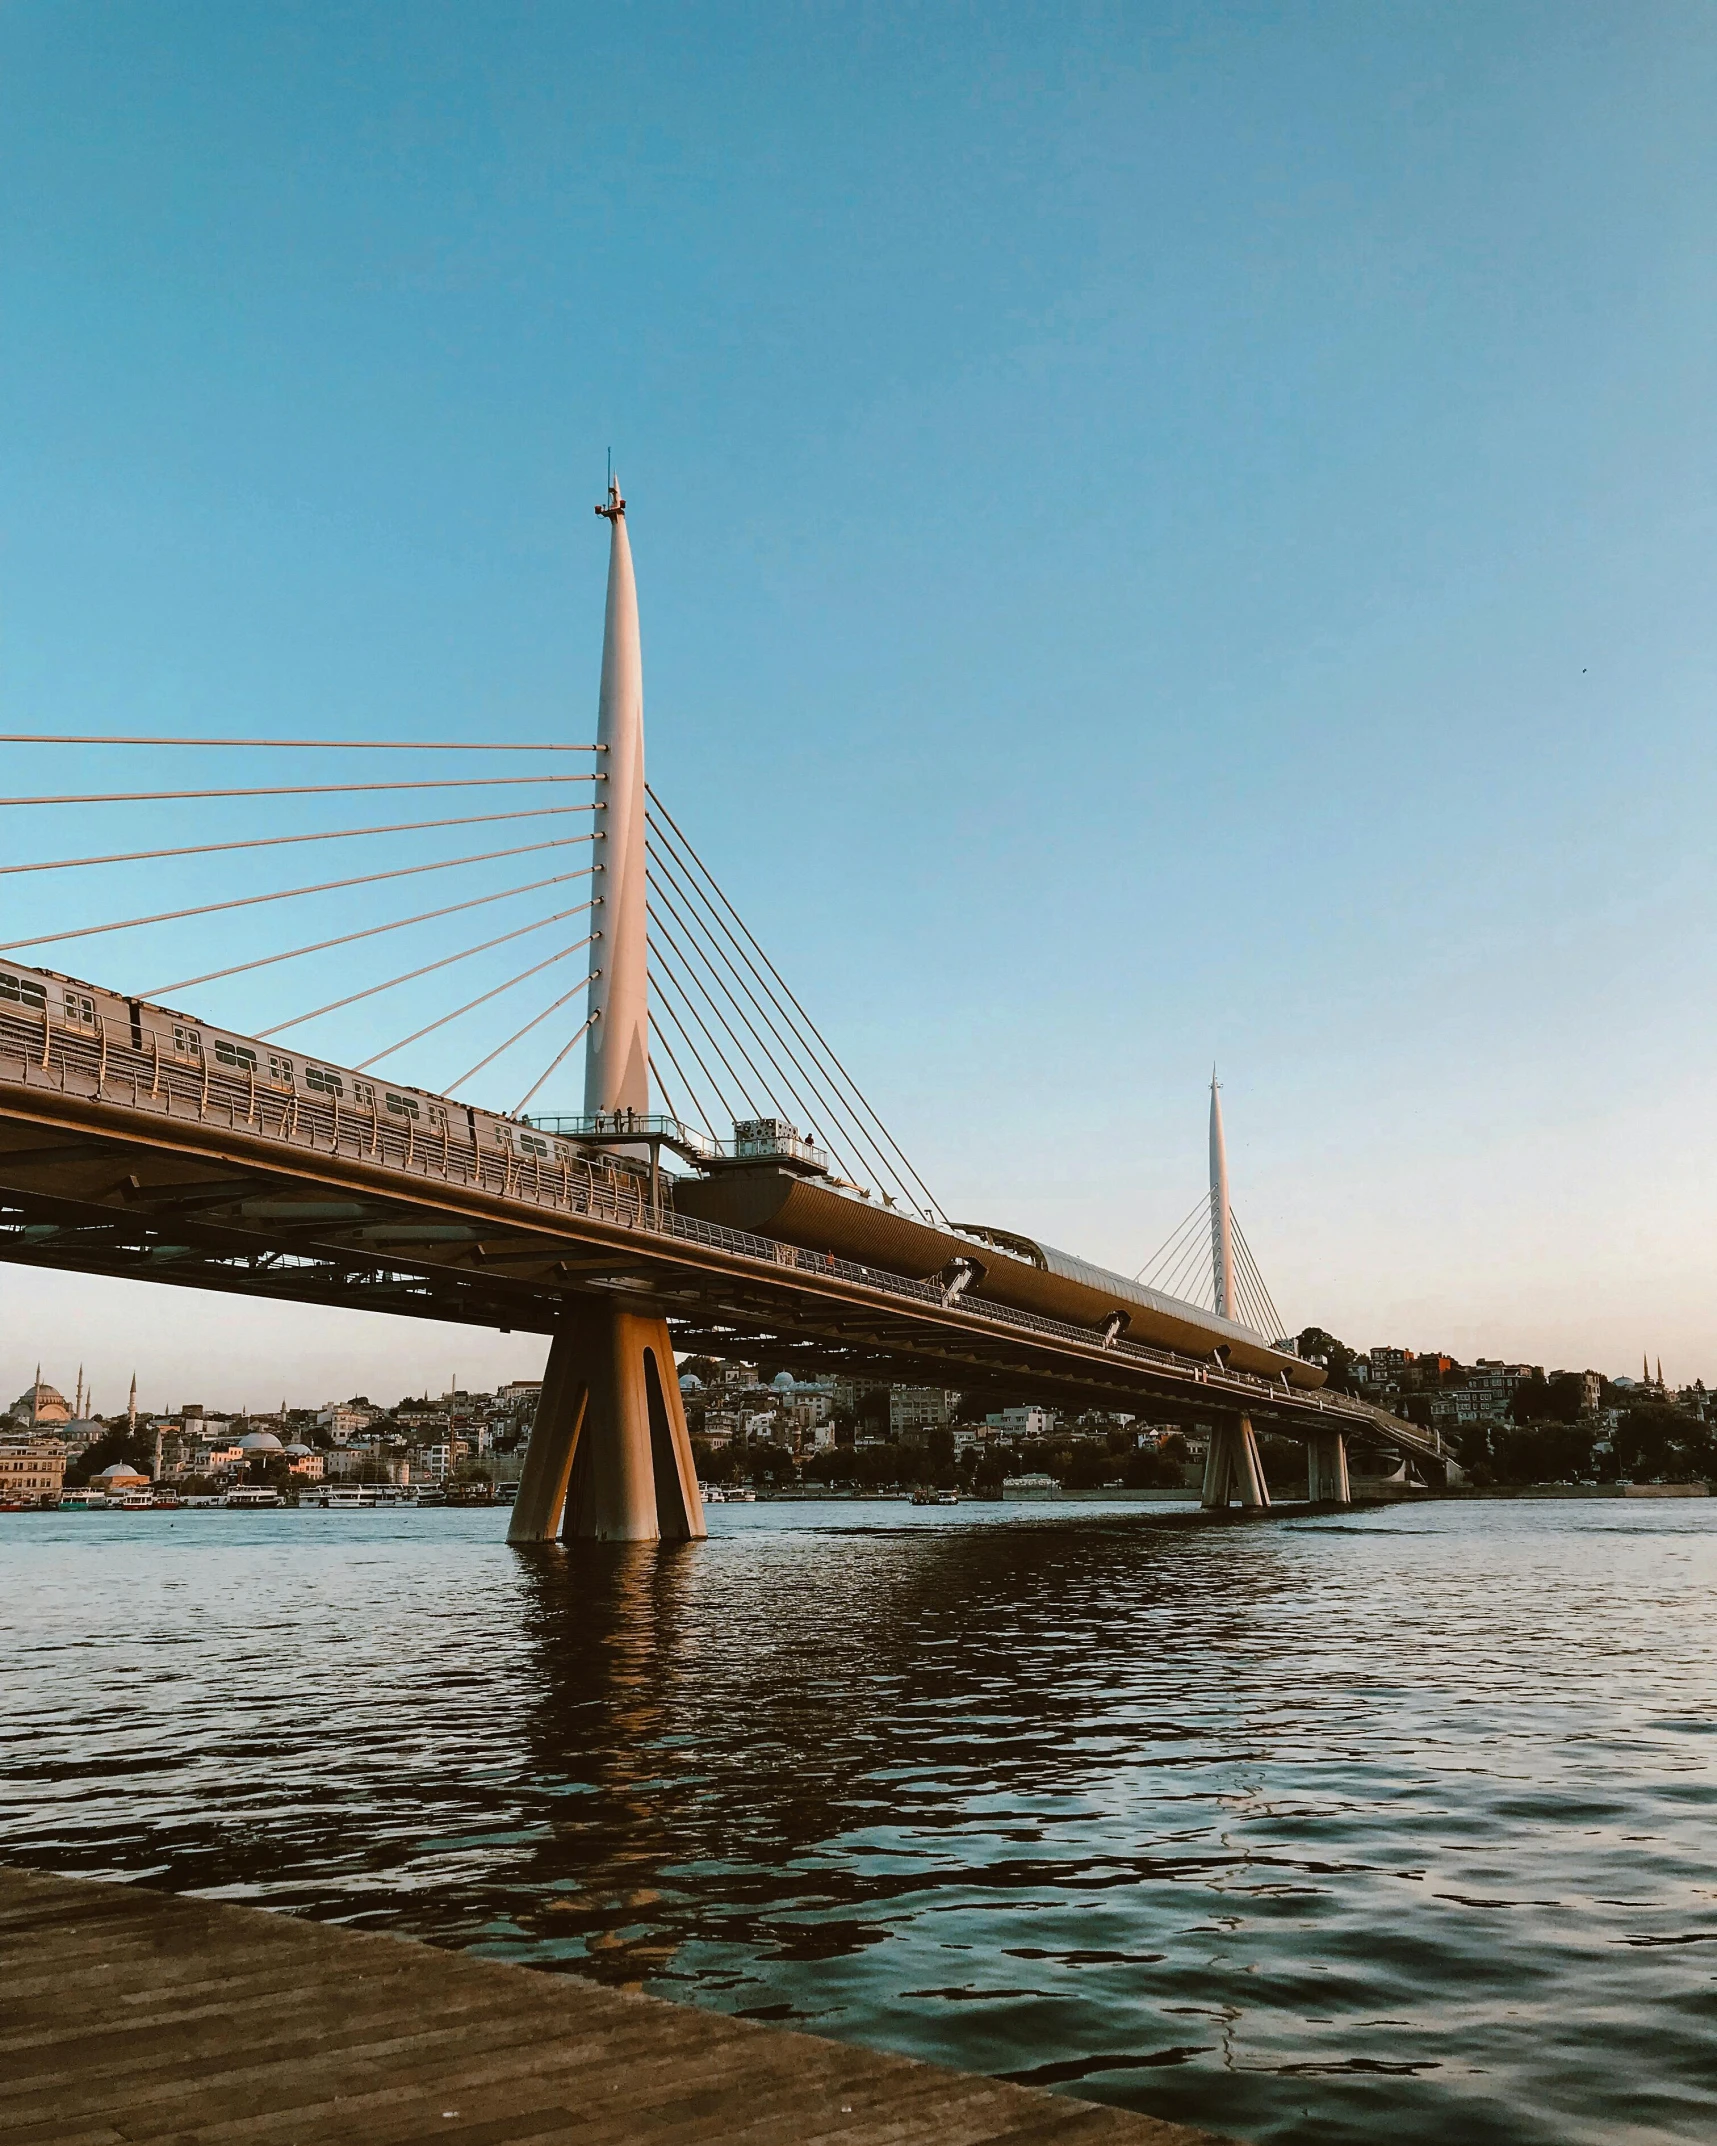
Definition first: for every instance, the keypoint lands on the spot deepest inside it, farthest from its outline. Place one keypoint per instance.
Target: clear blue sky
(1164, 533)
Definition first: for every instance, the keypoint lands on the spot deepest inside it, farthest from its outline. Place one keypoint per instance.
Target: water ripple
(1298, 1831)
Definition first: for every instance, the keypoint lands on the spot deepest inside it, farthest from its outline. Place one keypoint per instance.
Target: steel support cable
(698, 869)
(802, 1108)
(289, 894)
(1191, 1278)
(1243, 1309)
(1156, 1259)
(692, 1095)
(713, 1031)
(577, 1035)
(518, 1034)
(1267, 1302)
(857, 1093)
(841, 1113)
(667, 1007)
(337, 834)
(658, 1083)
(309, 789)
(824, 1107)
(446, 962)
(1246, 1286)
(1266, 1319)
(482, 999)
(828, 1105)
(331, 745)
(669, 975)
(1169, 1253)
(1186, 1276)
(375, 931)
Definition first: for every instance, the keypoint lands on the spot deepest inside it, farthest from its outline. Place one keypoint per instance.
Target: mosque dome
(260, 1442)
(43, 1402)
(295, 1451)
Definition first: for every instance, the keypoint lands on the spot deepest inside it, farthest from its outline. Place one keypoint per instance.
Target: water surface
(1310, 1830)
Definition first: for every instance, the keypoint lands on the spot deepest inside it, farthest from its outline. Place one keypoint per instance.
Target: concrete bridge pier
(1326, 1469)
(610, 1459)
(1233, 1469)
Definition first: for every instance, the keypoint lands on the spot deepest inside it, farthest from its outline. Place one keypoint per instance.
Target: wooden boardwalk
(130, 2015)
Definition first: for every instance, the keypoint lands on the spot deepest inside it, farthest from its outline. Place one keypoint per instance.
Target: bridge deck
(111, 1162)
(128, 2015)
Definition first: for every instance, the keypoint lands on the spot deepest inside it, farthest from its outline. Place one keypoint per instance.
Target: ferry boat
(712, 1494)
(935, 1497)
(357, 1497)
(252, 1498)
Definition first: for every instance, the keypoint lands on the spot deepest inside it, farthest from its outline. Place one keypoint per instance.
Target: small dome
(124, 1469)
(260, 1442)
(295, 1451)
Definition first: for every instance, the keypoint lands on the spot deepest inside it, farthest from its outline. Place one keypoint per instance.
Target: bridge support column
(1233, 1469)
(1326, 1469)
(609, 1458)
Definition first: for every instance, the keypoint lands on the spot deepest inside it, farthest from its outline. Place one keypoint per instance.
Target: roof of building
(260, 1442)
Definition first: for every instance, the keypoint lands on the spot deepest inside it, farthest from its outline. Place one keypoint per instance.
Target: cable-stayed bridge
(726, 1186)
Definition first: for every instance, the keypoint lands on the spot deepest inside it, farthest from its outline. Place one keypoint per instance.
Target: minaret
(1644, 1369)
(36, 1399)
(77, 1405)
(616, 1062)
(131, 1407)
(1221, 1216)
(1660, 1386)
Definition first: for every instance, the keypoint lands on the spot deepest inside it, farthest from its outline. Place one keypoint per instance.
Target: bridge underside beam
(222, 1209)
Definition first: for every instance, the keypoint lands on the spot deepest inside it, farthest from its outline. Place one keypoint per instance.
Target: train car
(221, 1060)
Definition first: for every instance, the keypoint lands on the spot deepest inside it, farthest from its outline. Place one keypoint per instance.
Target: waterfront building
(1022, 1422)
(32, 1470)
(343, 1420)
(914, 1409)
(117, 1478)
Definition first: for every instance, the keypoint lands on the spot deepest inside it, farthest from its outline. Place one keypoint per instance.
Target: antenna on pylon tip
(614, 507)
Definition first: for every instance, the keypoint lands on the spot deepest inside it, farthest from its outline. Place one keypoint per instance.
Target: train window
(187, 1042)
(280, 1069)
(80, 1009)
(231, 1054)
(530, 1144)
(402, 1106)
(363, 1093)
(22, 992)
(438, 1117)
(324, 1082)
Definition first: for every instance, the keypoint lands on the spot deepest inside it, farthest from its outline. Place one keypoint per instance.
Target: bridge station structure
(143, 1142)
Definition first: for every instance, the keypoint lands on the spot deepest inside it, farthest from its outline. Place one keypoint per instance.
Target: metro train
(180, 1044)
(776, 1188)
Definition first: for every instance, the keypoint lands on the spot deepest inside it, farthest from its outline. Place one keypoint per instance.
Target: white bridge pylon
(610, 1457)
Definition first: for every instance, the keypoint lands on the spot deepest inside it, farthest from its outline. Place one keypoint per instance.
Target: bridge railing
(89, 1058)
